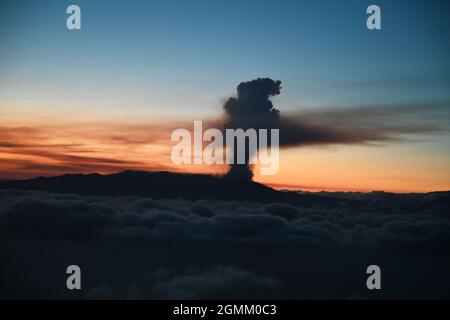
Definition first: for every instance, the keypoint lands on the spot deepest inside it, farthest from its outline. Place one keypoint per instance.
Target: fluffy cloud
(134, 247)
(55, 218)
(58, 216)
(217, 282)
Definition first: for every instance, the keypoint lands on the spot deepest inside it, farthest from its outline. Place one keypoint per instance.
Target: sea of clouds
(134, 247)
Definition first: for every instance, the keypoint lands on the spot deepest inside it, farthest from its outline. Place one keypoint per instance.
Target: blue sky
(185, 57)
(140, 62)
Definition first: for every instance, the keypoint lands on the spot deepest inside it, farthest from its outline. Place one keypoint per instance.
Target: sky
(104, 98)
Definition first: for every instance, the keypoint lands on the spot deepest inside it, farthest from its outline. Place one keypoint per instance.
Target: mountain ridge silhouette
(164, 184)
(168, 185)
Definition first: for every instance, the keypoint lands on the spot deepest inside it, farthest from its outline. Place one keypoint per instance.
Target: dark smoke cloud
(361, 125)
(251, 109)
(369, 125)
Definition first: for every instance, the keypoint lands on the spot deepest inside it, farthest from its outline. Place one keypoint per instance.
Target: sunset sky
(106, 98)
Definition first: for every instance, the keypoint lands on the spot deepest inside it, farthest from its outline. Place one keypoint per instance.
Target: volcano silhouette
(169, 185)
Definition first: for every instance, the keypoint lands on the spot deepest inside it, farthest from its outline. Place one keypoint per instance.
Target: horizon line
(275, 186)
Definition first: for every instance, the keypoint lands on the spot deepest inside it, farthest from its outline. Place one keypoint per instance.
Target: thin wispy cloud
(113, 146)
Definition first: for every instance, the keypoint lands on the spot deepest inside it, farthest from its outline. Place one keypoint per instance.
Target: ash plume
(251, 109)
(365, 125)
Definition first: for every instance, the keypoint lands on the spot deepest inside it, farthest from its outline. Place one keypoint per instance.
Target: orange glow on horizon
(42, 149)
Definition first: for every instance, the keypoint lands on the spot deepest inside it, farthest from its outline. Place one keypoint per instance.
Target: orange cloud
(106, 147)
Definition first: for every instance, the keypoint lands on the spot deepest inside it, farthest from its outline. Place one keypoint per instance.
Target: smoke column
(373, 125)
(251, 109)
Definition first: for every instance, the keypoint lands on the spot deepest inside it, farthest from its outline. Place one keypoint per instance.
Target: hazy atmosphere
(102, 169)
(106, 98)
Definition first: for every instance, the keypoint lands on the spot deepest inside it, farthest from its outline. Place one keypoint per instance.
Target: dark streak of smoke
(374, 125)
